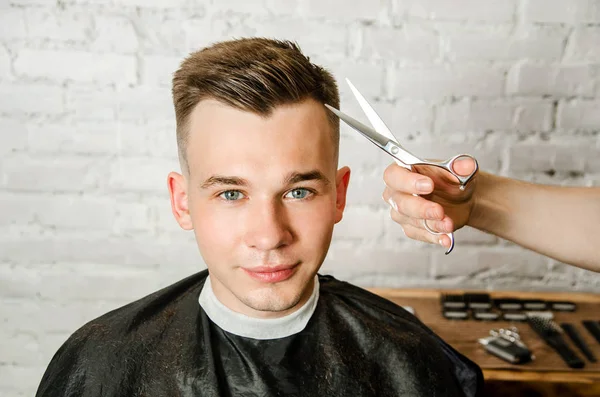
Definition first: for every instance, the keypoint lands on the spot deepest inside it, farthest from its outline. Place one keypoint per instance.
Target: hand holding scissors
(382, 137)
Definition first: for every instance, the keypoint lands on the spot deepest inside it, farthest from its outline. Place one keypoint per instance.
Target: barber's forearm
(560, 222)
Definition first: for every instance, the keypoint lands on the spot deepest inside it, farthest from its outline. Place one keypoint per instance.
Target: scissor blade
(367, 132)
(372, 115)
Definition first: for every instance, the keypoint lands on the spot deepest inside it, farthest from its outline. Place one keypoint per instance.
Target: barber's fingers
(420, 234)
(464, 166)
(444, 226)
(413, 228)
(413, 206)
(402, 180)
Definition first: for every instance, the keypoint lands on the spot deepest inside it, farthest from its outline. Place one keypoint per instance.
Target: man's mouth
(272, 274)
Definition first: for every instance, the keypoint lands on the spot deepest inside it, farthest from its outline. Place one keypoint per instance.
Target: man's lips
(272, 274)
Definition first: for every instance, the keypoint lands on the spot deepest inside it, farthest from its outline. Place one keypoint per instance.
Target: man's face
(262, 197)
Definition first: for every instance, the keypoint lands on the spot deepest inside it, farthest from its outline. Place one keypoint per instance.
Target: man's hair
(250, 74)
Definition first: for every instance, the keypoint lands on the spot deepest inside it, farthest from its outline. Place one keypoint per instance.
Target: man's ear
(179, 200)
(342, 179)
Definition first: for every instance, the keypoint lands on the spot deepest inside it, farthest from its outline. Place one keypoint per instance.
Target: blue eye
(231, 195)
(298, 193)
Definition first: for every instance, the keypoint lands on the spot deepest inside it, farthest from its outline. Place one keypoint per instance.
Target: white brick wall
(87, 138)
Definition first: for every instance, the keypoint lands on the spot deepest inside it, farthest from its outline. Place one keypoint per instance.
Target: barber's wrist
(482, 211)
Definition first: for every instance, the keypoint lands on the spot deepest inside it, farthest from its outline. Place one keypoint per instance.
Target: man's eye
(298, 193)
(232, 195)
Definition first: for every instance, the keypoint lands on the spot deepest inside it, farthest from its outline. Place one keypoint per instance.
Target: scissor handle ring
(448, 166)
(451, 235)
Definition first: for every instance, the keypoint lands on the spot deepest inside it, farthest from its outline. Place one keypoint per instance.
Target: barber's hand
(445, 207)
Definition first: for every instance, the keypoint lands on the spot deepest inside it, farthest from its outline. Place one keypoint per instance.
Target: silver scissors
(381, 136)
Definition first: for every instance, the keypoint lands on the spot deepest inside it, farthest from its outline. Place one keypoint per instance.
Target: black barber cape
(163, 345)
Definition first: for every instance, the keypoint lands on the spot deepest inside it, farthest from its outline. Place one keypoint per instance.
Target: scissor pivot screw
(395, 149)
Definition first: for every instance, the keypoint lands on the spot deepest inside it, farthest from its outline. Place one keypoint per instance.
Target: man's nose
(267, 226)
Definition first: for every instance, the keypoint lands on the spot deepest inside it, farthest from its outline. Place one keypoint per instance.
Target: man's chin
(270, 301)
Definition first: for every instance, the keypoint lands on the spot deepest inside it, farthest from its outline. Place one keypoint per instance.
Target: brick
(557, 11)
(461, 262)
(62, 173)
(579, 115)
(542, 157)
(360, 223)
(91, 102)
(28, 352)
(18, 209)
(483, 115)
(12, 24)
(5, 64)
(583, 45)
(256, 8)
(376, 267)
(114, 34)
(536, 43)
(155, 139)
(339, 9)
(64, 250)
(120, 4)
(158, 70)
(176, 35)
(438, 82)
(17, 98)
(366, 190)
(13, 136)
(141, 174)
(365, 76)
(55, 24)
(405, 118)
(17, 379)
(80, 66)
(144, 103)
(80, 283)
(79, 138)
(557, 80)
(79, 213)
(490, 263)
(361, 155)
(464, 10)
(133, 217)
(406, 44)
(34, 315)
(276, 7)
(331, 39)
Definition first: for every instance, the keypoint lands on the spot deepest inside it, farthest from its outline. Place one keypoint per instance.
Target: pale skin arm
(560, 222)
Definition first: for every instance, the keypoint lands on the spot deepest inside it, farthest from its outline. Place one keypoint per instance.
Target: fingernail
(393, 204)
(424, 185)
(441, 242)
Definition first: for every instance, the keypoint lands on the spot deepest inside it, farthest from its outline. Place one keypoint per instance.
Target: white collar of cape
(257, 328)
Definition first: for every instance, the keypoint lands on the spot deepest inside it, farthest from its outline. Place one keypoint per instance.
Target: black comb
(578, 341)
(593, 328)
(550, 332)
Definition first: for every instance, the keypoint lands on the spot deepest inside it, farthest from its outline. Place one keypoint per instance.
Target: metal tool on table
(381, 136)
(507, 345)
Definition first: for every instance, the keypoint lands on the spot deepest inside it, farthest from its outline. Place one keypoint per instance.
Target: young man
(261, 190)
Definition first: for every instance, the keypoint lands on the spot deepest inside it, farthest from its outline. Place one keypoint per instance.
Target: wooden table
(547, 370)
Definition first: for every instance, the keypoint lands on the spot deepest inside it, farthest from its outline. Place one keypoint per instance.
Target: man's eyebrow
(223, 180)
(314, 175)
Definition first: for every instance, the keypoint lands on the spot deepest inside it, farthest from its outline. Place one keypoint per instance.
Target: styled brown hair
(250, 74)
